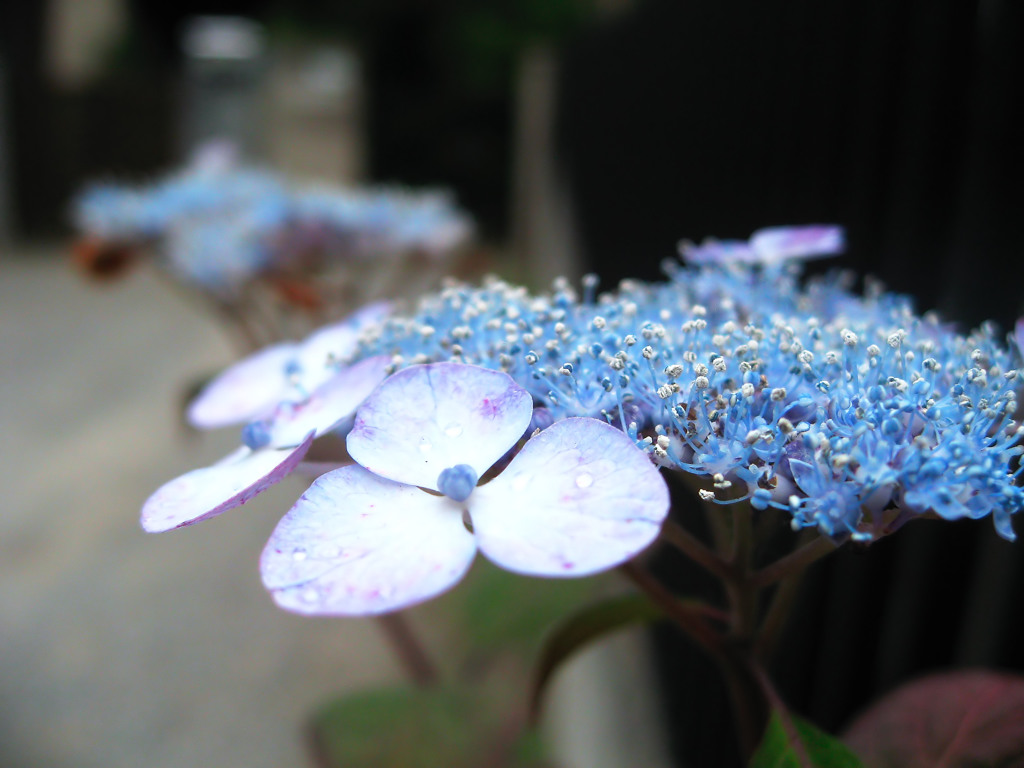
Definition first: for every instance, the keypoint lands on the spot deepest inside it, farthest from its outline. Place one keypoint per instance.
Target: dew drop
(584, 481)
(453, 430)
(299, 554)
(520, 482)
(425, 447)
(309, 595)
(326, 551)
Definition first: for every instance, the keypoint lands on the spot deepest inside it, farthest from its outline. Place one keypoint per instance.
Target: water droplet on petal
(299, 554)
(453, 430)
(309, 595)
(584, 481)
(425, 446)
(520, 482)
(325, 551)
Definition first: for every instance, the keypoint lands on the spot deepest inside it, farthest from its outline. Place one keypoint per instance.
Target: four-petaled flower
(405, 523)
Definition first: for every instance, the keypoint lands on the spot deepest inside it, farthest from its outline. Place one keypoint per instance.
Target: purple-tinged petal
(204, 493)
(427, 418)
(713, 251)
(244, 390)
(776, 244)
(1018, 334)
(356, 544)
(327, 406)
(1004, 524)
(807, 477)
(579, 498)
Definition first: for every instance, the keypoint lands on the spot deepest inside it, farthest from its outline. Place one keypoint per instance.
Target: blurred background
(581, 135)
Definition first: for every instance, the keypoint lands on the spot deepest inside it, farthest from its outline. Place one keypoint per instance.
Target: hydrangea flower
(217, 224)
(730, 369)
(371, 222)
(405, 522)
(846, 410)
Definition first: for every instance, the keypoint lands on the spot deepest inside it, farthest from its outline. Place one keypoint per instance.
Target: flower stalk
(409, 650)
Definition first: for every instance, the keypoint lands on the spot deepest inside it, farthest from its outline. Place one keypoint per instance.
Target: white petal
(776, 244)
(356, 544)
(313, 359)
(713, 251)
(334, 342)
(245, 390)
(334, 401)
(579, 498)
(427, 418)
(207, 492)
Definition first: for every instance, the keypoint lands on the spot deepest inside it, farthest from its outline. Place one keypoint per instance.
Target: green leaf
(801, 746)
(579, 629)
(415, 728)
(502, 610)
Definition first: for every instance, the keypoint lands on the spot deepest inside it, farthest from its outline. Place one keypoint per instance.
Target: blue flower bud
(256, 435)
(457, 482)
(761, 498)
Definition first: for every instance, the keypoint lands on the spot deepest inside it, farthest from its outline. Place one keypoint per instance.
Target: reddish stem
(409, 650)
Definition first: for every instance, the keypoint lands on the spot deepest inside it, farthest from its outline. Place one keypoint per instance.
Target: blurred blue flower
(217, 224)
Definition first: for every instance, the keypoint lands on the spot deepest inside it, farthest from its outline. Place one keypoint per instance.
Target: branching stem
(695, 549)
(795, 562)
(690, 619)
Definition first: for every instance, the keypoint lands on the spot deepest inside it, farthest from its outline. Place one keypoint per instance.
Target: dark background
(899, 119)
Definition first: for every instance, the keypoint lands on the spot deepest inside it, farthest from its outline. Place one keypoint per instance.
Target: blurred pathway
(120, 649)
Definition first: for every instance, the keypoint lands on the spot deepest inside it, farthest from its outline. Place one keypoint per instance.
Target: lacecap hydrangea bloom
(217, 224)
(849, 412)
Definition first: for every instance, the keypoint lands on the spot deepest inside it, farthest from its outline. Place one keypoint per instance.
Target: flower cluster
(217, 224)
(849, 411)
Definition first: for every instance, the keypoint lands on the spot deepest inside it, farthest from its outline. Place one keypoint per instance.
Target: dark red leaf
(972, 719)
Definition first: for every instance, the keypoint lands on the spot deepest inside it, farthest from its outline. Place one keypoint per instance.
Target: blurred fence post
(543, 238)
(315, 116)
(224, 73)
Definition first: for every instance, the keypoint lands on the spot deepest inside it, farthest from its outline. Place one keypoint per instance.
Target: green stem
(409, 650)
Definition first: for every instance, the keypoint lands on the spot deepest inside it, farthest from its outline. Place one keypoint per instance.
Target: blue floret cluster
(217, 224)
(846, 409)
